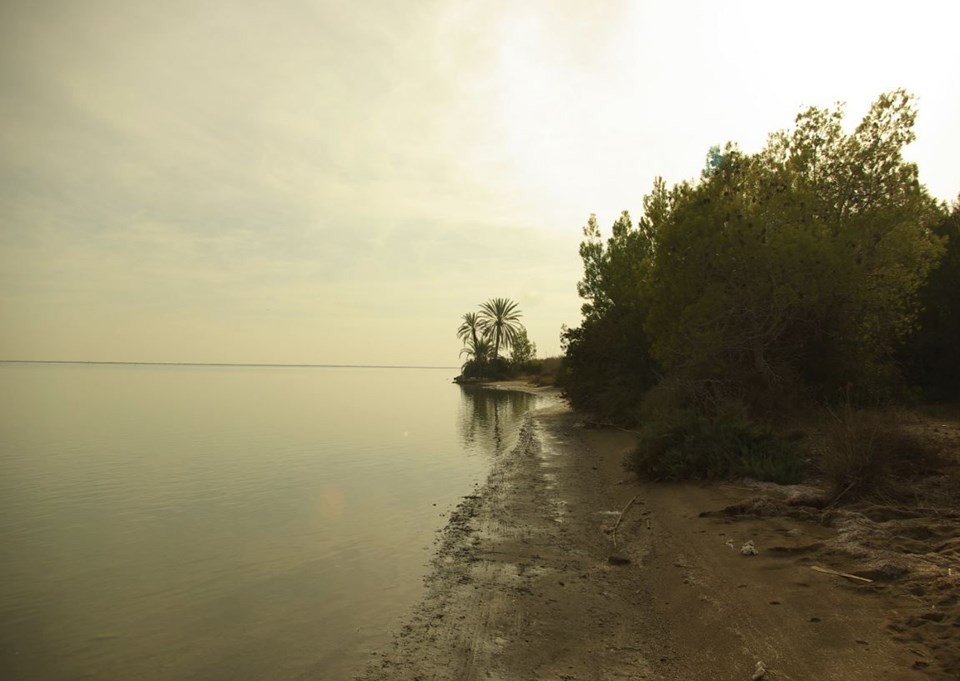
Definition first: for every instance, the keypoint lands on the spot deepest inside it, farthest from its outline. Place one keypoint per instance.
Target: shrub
(689, 444)
(491, 370)
(545, 371)
(867, 451)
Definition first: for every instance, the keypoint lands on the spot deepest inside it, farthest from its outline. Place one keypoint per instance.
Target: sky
(293, 181)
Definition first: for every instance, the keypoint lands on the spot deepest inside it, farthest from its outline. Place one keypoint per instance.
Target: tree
(793, 271)
(608, 365)
(500, 320)
(799, 265)
(932, 357)
(477, 351)
(470, 330)
(523, 350)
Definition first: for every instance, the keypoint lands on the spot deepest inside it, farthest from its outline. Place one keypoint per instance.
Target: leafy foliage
(496, 325)
(523, 351)
(726, 445)
(799, 266)
(608, 364)
(791, 274)
(478, 352)
(794, 271)
(932, 358)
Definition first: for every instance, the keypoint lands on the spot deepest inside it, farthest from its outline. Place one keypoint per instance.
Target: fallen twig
(828, 571)
(833, 503)
(607, 424)
(620, 519)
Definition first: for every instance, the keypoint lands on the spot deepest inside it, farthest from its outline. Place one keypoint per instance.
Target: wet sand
(531, 582)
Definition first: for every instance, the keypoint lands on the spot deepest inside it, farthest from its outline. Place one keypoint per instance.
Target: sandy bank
(529, 583)
(518, 385)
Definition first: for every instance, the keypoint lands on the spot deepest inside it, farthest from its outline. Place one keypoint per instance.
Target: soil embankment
(530, 581)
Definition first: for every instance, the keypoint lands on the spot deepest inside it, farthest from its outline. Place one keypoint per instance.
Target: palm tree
(478, 351)
(470, 330)
(500, 319)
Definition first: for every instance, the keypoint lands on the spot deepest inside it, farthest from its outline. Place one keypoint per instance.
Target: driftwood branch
(620, 519)
(838, 497)
(607, 424)
(828, 571)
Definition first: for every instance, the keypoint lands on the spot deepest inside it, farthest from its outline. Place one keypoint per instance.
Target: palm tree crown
(499, 318)
(470, 330)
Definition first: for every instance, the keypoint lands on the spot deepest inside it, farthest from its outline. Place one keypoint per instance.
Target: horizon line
(223, 364)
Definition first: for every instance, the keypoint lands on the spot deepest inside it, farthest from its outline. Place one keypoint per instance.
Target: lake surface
(175, 522)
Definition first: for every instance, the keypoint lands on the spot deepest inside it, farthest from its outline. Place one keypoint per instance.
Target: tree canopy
(795, 269)
(932, 357)
(500, 320)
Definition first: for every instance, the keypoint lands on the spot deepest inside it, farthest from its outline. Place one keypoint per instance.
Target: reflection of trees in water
(486, 416)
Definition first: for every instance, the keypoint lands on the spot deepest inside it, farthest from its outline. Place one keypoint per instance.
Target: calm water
(225, 522)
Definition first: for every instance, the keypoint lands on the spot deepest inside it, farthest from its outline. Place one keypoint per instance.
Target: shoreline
(518, 384)
(530, 581)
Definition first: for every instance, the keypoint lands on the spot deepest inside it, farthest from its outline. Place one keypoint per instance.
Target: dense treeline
(814, 269)
(931, 359)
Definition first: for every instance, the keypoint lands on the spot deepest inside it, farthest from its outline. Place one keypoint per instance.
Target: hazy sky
(337, 182)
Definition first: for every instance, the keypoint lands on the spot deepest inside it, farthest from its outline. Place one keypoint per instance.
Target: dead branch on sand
(620, 519)
(608, 424)
(828, 571)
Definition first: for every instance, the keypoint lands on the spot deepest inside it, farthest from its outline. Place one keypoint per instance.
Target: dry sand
(529, 581)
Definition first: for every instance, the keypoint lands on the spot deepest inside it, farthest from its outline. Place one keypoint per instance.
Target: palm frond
(499, 319)
(470, 328)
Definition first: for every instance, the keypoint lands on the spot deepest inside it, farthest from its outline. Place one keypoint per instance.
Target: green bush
(689, 444)
(491, 370)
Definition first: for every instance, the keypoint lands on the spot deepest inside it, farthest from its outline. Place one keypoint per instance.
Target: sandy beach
(563, 566)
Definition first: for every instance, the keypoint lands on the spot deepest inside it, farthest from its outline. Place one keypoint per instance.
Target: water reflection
(489, 418)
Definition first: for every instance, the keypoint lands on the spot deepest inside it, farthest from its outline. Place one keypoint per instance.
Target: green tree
(932, 357)
(522, 350)
(500, 320)
(470, 330)
(800, 264)
(793, 271)
(608, 365)
(478, 352)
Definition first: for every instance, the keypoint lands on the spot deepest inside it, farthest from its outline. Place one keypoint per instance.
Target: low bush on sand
(868, 452)
(547, 370)
(688, 444)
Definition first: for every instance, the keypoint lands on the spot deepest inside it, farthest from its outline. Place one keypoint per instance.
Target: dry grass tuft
(869, 452)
